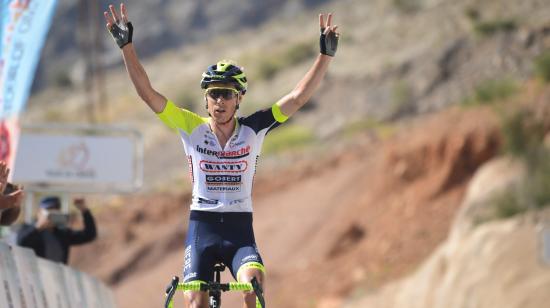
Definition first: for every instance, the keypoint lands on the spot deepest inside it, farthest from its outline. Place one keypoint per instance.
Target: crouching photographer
(50, 236)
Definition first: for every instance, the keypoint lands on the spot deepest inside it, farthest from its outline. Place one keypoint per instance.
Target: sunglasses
(225, 93)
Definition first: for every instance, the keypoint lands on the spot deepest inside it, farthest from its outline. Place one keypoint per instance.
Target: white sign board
(79, 160)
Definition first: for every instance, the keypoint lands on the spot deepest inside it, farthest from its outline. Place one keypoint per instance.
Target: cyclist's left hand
(328, 41)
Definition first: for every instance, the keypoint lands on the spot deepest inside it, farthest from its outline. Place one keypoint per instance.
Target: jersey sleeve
(268, 118)
(179, 118)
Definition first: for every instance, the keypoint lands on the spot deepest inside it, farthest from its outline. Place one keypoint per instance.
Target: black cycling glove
(328, 43)
(122, 33)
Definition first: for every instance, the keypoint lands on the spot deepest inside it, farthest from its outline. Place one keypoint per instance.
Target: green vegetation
(407, 6)
(532, 194)
(491, 91)
(401, 97)
(472, 14)
(382, 130)
(300, 52)
(270, 64)
(487, 28)
(539, 181)
(62, 79)
(269, 67)
(54, 115)
(186, 99)
(491, 27)
(287, 137)
(542, 66)
(508, 204)
(524, 132)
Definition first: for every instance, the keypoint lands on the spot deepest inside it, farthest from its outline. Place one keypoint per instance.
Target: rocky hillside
(495, 264)
(79, 25)
(396, 59)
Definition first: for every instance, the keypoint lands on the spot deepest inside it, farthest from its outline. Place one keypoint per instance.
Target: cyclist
(222, 151)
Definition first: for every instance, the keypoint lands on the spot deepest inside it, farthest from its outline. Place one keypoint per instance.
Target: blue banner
(25, 24)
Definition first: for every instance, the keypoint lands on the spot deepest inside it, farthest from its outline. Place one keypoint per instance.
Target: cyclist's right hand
(120, 28)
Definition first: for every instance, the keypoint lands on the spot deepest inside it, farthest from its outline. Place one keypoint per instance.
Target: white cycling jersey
(222, 178)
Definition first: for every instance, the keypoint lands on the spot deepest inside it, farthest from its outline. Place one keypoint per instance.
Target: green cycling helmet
(225, 71)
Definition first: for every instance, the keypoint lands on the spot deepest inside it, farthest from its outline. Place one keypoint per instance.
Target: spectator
(10, 199)
(50, 237)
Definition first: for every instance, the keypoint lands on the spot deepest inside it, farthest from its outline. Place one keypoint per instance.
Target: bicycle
(214, 289)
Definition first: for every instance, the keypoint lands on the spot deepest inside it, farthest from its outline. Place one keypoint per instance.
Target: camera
(58, 219)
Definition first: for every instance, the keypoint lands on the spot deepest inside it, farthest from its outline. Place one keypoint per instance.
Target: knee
(196, 299)
(245, 274)
(249, 297)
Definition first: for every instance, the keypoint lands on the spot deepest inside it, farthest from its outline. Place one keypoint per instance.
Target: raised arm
(303, 91)
(89, 233)
(121, 30)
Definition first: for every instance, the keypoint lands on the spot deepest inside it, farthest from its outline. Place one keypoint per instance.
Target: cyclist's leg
(246, 275)
(240, 252)
(196, 299)
(247, 264)
(198, 261)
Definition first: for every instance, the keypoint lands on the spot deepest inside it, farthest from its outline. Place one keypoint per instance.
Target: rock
(496, 264)
(496, 176)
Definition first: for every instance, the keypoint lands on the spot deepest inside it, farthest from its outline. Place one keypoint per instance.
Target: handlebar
(213, 286)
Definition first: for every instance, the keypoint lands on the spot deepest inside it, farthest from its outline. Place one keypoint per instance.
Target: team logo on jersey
(239, 153)
(227, 189)
(226, 166)
(207, 201)
(236, 144)
(223, 179)
(223, 183)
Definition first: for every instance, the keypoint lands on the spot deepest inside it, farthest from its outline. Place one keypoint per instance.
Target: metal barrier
(29, 281)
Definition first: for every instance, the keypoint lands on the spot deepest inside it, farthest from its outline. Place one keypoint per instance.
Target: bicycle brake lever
(258, 290)
(172, 286)
(170, 290)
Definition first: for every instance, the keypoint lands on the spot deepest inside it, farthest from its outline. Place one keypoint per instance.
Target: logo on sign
(75, 157)
(73, 163)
